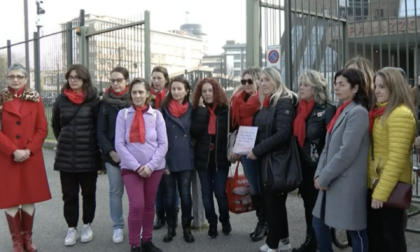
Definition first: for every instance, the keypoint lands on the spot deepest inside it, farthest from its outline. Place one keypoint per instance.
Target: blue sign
(273, 56)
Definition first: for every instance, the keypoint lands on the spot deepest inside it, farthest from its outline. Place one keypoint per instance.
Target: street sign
(273, 56)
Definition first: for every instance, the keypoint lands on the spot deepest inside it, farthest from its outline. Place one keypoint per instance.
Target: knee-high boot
(27, 224)
(15, 231)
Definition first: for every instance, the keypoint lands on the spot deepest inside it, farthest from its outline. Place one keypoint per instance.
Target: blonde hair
(365, 66)
(280, 89)
(318, 83)
(399, 92)
(255, 77)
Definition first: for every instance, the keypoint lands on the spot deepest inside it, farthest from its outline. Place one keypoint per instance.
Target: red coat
(24, 128)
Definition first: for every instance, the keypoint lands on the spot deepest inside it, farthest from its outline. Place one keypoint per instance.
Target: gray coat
(342, 168)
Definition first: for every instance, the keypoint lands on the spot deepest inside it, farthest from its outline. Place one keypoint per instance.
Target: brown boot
(15, 231)
(27, 223)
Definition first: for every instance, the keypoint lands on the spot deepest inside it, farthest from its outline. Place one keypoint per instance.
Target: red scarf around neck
(118, 93)
(372, 115)
(212, 120)
(138, 129)
(176, 109)
(18, 93)
(76, 98)
(159, 96)
(266, 102)
(243, 112)
(299, 124)
(330, 126)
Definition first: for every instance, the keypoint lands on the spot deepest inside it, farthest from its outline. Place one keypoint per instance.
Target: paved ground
(50, 227)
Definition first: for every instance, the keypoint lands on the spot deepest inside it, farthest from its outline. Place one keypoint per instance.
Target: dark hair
(219, 96)
(356, 77)
(123, 71)
(164, 71)
(146, 84)
(83, 73)
(169, 97)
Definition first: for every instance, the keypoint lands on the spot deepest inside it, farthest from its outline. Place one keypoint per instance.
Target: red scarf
(138, 130)
(299, 124)
(330, 126)
(243, 112)
(212, 120)
(159, 96)
(372, 114)
(119, 93)
(76, 98)
(17, 94)
(176, 109)
(266, 102)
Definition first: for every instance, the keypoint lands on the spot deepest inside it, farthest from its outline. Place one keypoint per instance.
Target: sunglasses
(249, 81)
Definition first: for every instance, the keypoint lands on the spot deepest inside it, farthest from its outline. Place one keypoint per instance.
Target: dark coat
(199, 132)
(282, 129)
(180, 156)
(77, 144)
(107, 118)
(316, 130)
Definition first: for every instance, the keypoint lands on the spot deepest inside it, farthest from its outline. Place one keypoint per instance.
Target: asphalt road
(50, 227)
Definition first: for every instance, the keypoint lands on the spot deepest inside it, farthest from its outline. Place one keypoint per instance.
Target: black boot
(259, 232)
(188, 236)
(308, 246)
(148, 246)
(213, 231)
(261, 229)
(226, 228)
(170, 234)
(135, 249)
(176, 216)
(160, 220)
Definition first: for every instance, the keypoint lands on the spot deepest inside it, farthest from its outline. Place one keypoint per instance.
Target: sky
(221, 20)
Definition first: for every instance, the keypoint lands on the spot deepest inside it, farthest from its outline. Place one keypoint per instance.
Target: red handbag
(400, 196)
(238, 193)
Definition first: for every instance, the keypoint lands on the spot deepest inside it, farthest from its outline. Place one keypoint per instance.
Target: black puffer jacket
(316, 130)
(282, 129)
(77, 144)
(199, 132)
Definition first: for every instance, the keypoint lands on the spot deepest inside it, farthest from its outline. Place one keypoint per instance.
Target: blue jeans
(160, 197)
(213, 181)
(116, 191)
(323, 236)
(251, 173)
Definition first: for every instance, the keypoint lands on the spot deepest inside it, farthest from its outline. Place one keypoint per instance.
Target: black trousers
(70, 184)
(278, 227)
(386, 229)
(309, 195)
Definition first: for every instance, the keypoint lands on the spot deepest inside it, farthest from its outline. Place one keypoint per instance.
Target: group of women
(152, 139)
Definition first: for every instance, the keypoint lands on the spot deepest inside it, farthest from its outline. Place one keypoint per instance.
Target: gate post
(253, 26)
(69, 44)
(288, 44)
(9, 55)
(83, 46)
(147, 41)
(198, 207)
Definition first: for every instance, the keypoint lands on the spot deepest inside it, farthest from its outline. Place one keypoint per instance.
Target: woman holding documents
(278, 106)
(209, 129)
(245, 104)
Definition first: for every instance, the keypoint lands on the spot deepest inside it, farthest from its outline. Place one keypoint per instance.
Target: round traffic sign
(273, 56)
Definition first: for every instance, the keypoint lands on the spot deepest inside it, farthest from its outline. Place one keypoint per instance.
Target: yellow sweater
(392, 145)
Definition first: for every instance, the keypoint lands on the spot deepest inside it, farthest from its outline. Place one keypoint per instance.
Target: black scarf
(118, 102)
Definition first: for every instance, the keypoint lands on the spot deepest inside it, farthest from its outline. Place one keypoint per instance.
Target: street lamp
(39, 12)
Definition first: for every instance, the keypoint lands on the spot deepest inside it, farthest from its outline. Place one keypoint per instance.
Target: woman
(209, 129)
(365, 66)
(177, 112)
(78, 157)
(141, 141)
(115, 99)
(245, 104)
(393, 128)
(160, 82)
(314, 112)
(277, 100)
(23, 129)
(341, 173)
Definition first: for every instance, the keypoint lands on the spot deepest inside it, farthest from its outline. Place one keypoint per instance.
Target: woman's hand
(417, 142)
(166, 172)
(145, 171)
(318, 187)
(201, 102)
(376, 204)
(251, 156)
(234, 157)
(115, 157)
(21, 155)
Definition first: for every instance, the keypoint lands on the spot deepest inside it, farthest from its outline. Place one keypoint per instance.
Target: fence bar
(83, 46)
(147, 42)
(69, 43)
(252, 33)
(9, 54)
(37, 63)
(288, 44)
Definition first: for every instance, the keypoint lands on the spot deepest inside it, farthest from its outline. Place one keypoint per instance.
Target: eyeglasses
(13, 77)
(249, 81)
(119, 80)
(74, 78)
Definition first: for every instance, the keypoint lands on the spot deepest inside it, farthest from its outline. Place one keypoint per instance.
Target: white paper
(245, 140)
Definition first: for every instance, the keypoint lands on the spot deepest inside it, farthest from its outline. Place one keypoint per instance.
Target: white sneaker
(87, 233)
(283, 246)
(118, 236)
(272, 250)
(71, 237)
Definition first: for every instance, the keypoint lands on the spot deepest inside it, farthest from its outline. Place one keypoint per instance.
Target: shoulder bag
(231, 139)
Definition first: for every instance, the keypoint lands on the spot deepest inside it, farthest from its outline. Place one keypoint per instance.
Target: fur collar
(28, 95)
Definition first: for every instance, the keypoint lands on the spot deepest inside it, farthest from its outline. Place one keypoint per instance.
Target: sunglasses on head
(249, 81)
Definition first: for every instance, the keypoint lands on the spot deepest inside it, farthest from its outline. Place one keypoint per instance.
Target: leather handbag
(400, 197)
(281, 170)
